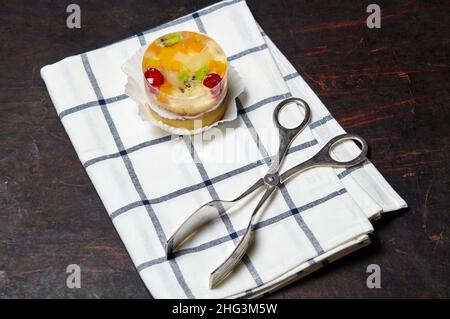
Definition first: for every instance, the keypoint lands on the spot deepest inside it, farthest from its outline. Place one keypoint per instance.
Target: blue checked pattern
(132, 173)
(103, 103)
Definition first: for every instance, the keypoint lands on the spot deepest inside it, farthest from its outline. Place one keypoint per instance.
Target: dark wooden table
(391, 85)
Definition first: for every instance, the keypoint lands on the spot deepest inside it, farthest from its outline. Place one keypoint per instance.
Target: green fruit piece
(183, 76)
(170, 39)
(201, 73)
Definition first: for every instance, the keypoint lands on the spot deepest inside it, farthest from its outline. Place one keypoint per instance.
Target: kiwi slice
(190, 80)
(201, 73)
(183, 76)
(170, 39)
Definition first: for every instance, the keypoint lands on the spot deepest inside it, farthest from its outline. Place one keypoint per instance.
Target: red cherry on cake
(211, 80)
(154, 77)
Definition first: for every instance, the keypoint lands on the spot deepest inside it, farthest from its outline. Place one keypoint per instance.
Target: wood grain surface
(390, 85)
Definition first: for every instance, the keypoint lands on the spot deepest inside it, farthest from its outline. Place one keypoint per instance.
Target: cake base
(203, 120)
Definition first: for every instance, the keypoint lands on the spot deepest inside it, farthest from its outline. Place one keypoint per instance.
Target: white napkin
(150, 182)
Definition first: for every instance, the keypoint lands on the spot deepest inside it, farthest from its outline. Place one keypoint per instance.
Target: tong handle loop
(287, 135)
(325, 158)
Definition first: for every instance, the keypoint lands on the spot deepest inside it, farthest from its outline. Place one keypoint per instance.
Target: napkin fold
(150, 182)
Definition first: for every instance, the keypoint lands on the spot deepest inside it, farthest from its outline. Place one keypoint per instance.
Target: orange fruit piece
(180, 47)
(162, 99)
(194, 44)
(218, 67)
(150, 57)
(168, 61)
(166, 55)
(154, 48)
(166, 88)
(150, 63)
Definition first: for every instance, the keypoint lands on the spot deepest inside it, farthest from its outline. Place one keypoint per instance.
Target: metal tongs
(272, 180)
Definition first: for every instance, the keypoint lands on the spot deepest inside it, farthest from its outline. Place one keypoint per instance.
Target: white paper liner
(135, 89)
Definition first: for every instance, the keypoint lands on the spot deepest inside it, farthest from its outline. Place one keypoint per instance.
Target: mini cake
(185, 76)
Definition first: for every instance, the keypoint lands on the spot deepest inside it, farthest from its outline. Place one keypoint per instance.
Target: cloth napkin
(149, 182)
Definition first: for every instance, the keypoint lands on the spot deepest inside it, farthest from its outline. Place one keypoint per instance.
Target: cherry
(154, 77)
(211, 80)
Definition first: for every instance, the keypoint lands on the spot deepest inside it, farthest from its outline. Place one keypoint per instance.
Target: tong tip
(217, 277)
(212, 281)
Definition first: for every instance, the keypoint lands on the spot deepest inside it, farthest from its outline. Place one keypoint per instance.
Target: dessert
(185, 75)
